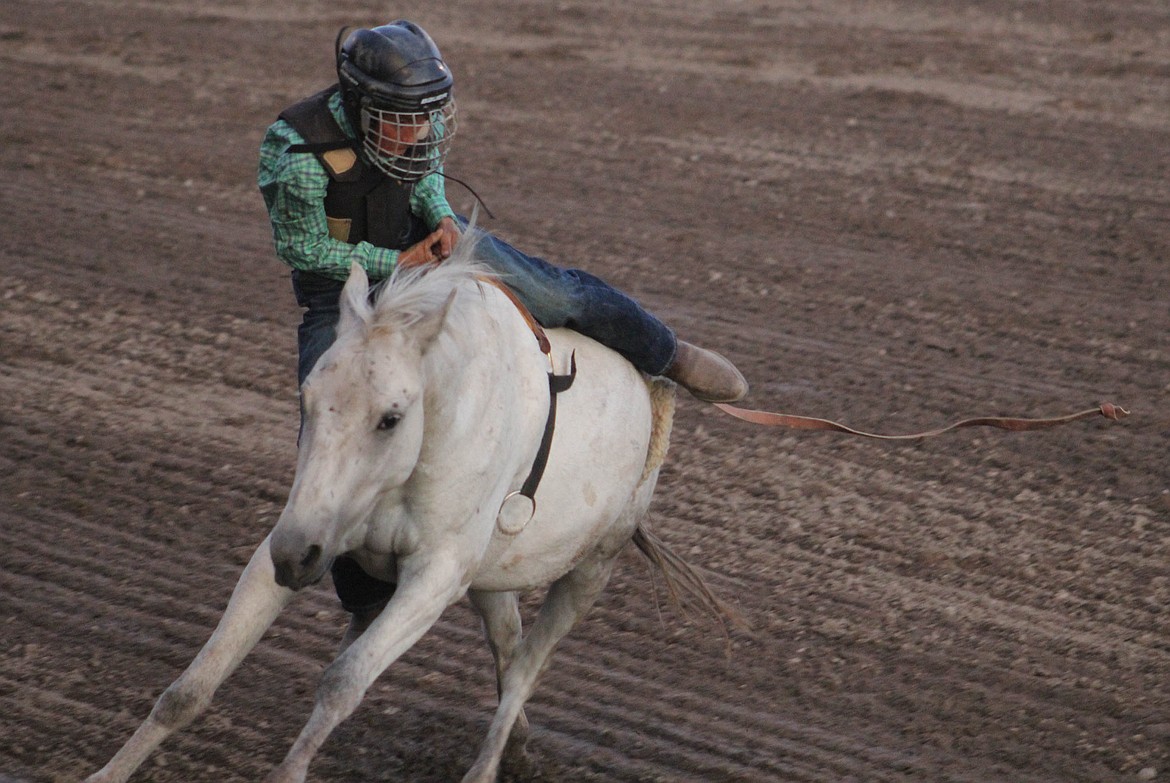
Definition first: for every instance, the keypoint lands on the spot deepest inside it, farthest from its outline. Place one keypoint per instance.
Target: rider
(354, 173)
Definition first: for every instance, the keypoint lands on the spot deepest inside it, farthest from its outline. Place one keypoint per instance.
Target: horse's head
(362, 432)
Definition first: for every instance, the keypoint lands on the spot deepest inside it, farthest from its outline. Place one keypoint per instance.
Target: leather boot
(705, 374)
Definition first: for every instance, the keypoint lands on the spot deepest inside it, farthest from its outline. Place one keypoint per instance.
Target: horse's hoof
(518, 766)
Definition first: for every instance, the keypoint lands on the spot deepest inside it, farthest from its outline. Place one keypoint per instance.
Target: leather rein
(768, 419)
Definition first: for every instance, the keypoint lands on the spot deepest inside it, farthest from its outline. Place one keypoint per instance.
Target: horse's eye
(389, 422)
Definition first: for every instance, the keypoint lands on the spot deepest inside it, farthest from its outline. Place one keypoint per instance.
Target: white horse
(420, 424)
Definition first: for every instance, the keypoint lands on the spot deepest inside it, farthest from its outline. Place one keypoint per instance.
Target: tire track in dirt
(617, 719)
(984, 608)
(153, 588)
(612, 719)
(737, 543)
(185, 635)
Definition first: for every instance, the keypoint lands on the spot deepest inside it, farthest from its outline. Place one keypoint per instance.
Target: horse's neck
(487, 378)
(486, 400)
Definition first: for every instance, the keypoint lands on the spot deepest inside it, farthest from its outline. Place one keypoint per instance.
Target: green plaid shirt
(293, 186)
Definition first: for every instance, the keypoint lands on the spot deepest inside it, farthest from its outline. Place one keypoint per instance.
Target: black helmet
(396, 91)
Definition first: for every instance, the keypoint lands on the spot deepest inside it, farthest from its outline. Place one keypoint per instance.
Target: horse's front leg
(569, 598)
(426, 587)
(255, 603)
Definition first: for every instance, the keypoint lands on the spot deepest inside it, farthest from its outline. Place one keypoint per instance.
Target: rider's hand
(424, 252)
(450, 238)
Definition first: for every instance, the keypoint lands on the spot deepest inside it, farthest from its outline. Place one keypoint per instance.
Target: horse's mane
(409, 295)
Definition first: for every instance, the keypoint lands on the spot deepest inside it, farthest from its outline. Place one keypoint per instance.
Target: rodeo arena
(608, 392)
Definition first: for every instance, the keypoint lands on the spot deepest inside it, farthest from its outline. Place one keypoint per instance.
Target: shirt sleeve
(293, 186)
(429, 200)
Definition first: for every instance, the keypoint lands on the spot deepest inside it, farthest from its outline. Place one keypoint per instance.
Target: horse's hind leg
(359, 621)
(255, 603)
(502, 626)
(569, 598)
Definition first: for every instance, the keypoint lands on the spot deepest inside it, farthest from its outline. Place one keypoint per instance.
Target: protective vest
(361, 203)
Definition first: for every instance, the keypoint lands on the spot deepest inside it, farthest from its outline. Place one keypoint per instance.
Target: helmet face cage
(407, 145)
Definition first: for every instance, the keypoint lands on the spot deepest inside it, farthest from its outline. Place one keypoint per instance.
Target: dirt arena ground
(894, 213)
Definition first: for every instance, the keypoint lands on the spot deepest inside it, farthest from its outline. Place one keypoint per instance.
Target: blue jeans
(556, 297)
(584, 303)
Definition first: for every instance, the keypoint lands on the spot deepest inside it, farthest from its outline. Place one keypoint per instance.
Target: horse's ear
(355, 301)
(429, 327)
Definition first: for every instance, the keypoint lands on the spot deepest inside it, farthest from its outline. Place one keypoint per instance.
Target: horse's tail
(686, 587)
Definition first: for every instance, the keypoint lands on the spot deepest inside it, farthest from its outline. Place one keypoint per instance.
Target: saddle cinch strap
(556, 385)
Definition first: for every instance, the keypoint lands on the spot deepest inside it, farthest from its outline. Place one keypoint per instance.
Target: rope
(767, 419)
